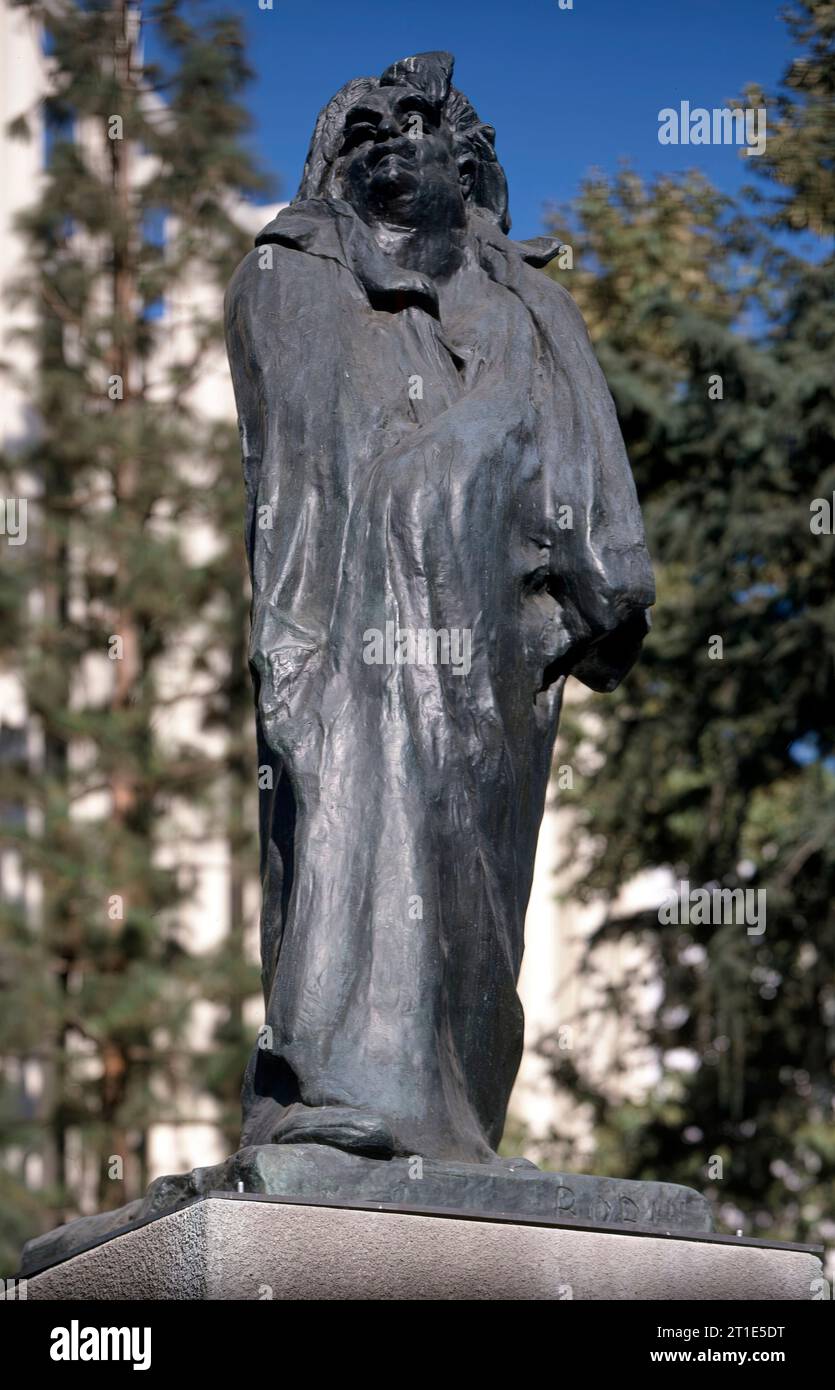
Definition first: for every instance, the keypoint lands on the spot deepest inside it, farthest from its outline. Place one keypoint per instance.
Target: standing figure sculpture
(441, 526)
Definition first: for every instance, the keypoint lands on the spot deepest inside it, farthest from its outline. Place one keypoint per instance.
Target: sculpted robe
(407, 471)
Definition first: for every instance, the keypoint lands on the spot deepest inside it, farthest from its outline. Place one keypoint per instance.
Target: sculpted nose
(389, 127)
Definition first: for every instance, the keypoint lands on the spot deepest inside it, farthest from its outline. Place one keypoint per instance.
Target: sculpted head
(407, 149)
(398, 164)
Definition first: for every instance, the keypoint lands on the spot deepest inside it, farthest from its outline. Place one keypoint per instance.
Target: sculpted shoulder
(255, 283)
(270, 284)
(560, 303)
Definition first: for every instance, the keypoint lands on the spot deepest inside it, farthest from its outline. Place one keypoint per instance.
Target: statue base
(317, 1173)
(228, 1247)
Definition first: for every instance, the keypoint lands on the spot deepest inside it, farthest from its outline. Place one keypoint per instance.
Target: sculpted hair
(430, 74)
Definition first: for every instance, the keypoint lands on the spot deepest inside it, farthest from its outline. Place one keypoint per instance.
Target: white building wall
(22, 78)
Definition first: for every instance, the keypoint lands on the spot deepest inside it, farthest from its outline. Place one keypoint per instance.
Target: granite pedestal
(248, 1247)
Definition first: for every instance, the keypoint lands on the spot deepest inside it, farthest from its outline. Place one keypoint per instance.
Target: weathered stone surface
(65, 1241)
(316, 1173)
(249, 1249)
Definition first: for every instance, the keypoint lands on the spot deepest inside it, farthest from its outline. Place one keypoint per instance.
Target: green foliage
(123, 472)
(722, 769)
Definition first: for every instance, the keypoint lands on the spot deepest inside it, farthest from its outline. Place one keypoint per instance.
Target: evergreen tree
(716, 759)
(110, 599)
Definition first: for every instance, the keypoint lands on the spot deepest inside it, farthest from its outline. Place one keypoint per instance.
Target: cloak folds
(407, 471)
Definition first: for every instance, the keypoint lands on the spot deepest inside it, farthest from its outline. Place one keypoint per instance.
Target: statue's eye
(356, 134)
(427, 113)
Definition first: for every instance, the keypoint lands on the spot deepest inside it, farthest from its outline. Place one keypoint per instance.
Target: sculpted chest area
(372, 374)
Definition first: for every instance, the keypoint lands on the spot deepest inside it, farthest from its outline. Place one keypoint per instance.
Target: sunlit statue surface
(442, 525)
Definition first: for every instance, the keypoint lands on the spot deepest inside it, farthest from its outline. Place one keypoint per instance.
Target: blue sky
(566, 89)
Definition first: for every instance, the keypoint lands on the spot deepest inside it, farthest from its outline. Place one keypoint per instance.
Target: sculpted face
(398, 164)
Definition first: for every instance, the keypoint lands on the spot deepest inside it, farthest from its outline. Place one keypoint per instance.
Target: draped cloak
(463, 476)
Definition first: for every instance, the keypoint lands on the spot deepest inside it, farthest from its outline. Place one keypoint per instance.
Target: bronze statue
(429, 448)
(441, 527)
